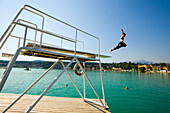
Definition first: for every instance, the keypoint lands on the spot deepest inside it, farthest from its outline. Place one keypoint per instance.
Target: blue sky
(146, 23)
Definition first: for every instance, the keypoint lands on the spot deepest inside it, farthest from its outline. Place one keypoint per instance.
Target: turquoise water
(147, 93)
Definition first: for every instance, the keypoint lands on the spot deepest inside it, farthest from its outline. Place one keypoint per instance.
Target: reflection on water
(161, 76)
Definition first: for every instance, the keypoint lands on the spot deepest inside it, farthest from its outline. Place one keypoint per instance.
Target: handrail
(47, 32)
(60, 21)
(15, 25)
(13, 29)
(42, 23)
(67, 25)
(33, 40)
(19, 20)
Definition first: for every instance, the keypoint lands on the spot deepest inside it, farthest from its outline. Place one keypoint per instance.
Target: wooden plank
(48, 104)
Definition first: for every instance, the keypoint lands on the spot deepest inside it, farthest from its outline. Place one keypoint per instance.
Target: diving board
(58, 50)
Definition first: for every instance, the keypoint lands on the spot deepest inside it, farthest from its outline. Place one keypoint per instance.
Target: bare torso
(122, 37)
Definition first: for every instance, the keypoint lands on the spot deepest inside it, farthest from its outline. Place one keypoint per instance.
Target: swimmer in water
(121, 43)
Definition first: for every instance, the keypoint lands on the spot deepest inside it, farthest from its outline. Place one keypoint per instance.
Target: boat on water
(27, 69)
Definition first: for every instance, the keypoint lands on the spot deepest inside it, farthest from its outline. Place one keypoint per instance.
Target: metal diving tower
(39, 48)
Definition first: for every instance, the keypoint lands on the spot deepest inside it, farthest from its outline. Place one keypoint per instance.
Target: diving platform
(37, 47)
(55, 53)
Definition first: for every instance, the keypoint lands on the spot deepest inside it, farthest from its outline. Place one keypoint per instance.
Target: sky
(145, 22)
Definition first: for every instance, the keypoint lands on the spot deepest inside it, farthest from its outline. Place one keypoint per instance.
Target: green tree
(127, 66)
(162, 64)
(142, 69)
(168, 66)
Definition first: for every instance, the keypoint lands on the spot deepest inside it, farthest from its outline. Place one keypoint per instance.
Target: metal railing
(42, 14)
(35, 41)
(15, 25)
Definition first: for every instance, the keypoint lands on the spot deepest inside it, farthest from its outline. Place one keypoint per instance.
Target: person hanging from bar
(121, 43)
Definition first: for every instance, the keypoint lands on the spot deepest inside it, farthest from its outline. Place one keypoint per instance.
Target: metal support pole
(19, 42)
(101, 74)
(75, 43)
(84, 80)
(30, 86)
(98, 48)
(89, 81)
(9, 68)
(42, 33)
(61, 43)
(72, 80)
(25, 35)
(8, 65)
(35, 38)
(45, 91)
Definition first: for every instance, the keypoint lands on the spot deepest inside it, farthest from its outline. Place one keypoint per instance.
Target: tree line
(88, 65)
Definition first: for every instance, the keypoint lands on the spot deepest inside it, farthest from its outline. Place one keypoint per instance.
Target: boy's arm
(122, 31)
(123, 34)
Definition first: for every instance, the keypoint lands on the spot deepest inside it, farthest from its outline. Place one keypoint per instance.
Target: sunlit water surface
(147, 93)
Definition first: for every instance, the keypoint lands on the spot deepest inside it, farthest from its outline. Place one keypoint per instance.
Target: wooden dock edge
(49, 104)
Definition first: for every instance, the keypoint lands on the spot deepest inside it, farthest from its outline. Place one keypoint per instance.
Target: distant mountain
(38, 61)
(143, 61)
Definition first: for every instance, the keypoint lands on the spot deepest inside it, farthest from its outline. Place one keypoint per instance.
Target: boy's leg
(123, 44)
(117, 47)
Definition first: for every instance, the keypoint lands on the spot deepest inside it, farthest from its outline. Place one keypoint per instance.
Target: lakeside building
(116, 69)
(154, 68)
(148, 67)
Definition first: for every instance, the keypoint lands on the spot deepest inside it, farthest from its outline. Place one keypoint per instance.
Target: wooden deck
(48, 104)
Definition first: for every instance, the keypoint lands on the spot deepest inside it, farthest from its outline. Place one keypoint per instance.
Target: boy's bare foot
(112, 50)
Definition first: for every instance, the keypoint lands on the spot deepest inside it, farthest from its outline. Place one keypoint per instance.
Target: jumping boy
(121, 43)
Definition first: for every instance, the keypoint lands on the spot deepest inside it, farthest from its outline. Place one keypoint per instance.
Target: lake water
(147, 93)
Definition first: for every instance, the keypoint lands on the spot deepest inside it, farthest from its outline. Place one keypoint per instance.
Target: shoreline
(103, 70)
(135, 71)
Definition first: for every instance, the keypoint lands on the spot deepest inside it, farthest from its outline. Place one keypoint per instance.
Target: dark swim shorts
(121, 44)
